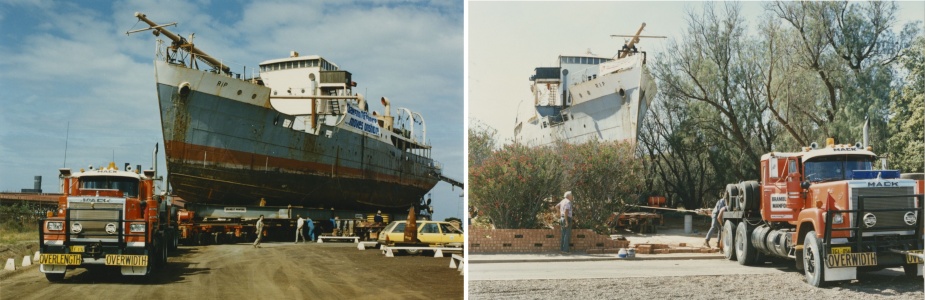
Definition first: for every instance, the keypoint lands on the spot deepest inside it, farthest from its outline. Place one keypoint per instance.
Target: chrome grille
(888, 218)
(83, 212)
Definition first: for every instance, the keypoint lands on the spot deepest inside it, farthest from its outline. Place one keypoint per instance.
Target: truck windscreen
(128, 186)
(831, 168)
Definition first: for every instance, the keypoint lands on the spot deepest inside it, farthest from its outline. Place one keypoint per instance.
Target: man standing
(300, 226)
(259, 231)
(715, 225)
(565, 220)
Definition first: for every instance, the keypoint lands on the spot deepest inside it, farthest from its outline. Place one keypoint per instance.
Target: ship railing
(633, 52)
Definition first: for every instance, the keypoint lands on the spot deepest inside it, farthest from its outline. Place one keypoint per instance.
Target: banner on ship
(362, 120)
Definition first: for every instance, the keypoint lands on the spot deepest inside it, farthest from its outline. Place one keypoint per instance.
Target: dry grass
(8, 237)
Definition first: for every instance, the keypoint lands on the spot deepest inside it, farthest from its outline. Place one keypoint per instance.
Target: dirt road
(276, 271)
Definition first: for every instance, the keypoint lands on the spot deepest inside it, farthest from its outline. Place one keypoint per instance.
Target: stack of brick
(539, 241)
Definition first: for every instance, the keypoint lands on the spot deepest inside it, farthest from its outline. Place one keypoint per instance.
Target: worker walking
(565, 220)
(715, 225)
(259, 231)
(300, 224)
(311, 229)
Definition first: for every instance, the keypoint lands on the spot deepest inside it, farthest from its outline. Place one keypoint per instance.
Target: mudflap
(60, 269)
(839, 274)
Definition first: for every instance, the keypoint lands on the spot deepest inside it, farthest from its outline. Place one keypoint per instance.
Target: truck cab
(106, 217)
(829, 210)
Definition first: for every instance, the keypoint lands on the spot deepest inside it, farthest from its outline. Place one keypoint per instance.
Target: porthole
(254, 96)
(239, 92)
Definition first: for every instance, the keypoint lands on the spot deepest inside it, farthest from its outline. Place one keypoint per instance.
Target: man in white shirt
(565, 220)
(259, 231)
(300, 225)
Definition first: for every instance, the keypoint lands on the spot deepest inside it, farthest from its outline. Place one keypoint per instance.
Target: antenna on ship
(630, 46)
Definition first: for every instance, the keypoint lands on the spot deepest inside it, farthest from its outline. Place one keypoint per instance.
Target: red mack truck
(829, 211)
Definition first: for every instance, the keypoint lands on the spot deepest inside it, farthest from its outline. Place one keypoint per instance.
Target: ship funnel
(361, 102)
(387, 115)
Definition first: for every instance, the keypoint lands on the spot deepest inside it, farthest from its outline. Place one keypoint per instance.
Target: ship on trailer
(590, 97)
(296, 134)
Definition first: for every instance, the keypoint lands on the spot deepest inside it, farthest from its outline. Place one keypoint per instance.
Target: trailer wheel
(813, 260)
(746, 253)
(728, 240)
(55, 277)
(413, 252)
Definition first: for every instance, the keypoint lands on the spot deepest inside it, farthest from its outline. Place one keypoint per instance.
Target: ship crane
(181, 43)
(631, 44)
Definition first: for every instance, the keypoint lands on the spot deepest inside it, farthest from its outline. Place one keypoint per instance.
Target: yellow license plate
(60, 259)
(77, 249)
(911, 259)
(851, 260)
(127, 260)
(841, 250)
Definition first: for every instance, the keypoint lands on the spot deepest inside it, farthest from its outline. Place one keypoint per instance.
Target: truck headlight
(137, 227)
(55, 226)
(111, 228)
(76, 227)
(838, 219)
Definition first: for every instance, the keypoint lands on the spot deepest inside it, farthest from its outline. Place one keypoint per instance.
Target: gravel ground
(778, 286)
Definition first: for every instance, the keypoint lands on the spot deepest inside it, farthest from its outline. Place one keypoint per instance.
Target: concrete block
(35, 258)
(26, 261)
(10, 265)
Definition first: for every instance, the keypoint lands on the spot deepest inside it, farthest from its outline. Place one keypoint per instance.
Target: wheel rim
(810, 258)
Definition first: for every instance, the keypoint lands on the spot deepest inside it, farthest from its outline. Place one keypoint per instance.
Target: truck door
(794, 188)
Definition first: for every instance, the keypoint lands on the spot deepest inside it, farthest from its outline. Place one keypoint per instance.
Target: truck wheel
(728, 239)
(54, 277)
(175, 242)
(732, 193)
(813, 260)
(163, 258)
(746, 253)
(413, 252)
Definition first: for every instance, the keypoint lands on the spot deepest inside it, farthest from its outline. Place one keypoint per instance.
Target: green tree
(908, 110)
(604, 178)
(482, 141)
(510, 185)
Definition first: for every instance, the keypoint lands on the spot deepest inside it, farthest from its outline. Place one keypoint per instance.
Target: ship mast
(180, 42)
(633, 40)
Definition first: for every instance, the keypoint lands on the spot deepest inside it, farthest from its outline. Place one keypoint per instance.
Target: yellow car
(432, 233)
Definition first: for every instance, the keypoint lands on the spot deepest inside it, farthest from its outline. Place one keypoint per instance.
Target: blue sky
(507, 40)
(65, 62)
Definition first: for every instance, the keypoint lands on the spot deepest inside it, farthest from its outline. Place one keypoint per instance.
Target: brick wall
(539, 241)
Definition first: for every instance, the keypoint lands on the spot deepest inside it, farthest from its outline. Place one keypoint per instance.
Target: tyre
(813, 260)
(413, 252)
(745, 252)
(54, 277)
(732, 193)
(728, 240)
(751, 196)
(174, 242)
